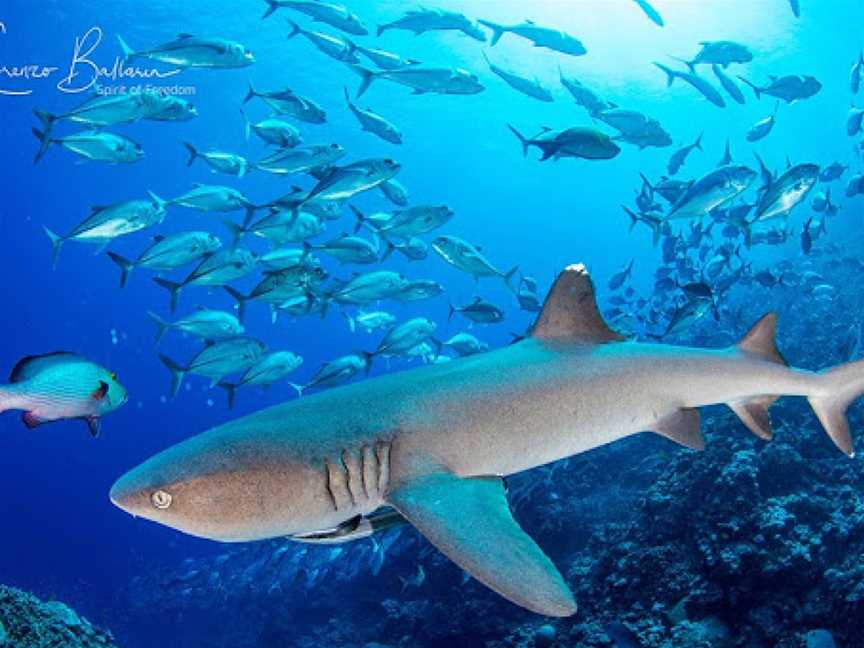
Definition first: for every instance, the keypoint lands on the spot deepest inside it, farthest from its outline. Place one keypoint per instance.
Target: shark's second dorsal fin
(570, 311)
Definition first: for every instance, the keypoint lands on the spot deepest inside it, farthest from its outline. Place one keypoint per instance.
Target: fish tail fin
(497, 31)
(841, 386)
(272, 6)
(634, 219)
(646, 181)
(388, 251)
(241, 301)
(230, 392)
(690, 64)
(670, 73)
(193, 153)
(128, 52)
(508, 278)
(307, 250)
(44, 138)
(760, 341)
(368, 357)
(46, 118)
(161, 326)
(295, 29)
(522, 139)
(247, 125)
(298, 388)
(367, 76)
(173, 289)
(755, 88)
(57, 242)
(251, 94)
(250, 214)
(126, 267)
(451, 312)
(698, 143)
(237, 232)
(177, 373)
(360, 216)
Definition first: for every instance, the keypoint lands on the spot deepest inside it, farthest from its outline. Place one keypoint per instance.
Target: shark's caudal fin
(842, 385)
(470, 522)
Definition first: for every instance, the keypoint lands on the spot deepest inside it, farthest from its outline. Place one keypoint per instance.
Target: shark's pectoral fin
(469, 520)
(682, 426)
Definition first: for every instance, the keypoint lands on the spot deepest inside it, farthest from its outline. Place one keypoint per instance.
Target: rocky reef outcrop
(27, 622)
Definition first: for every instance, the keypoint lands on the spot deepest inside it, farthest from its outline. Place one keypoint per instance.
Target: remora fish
(58, 386)
(189, 51)
(431, 442)
(547, 37)
(107, 223)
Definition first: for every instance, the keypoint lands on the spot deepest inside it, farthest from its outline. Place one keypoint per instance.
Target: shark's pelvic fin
(469, 521)
(760, 341)
(570, 311)
(682, 426)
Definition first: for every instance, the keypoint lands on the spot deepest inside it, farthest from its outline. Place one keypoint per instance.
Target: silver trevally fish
(169, 252)
(547, 37)
(384, 59)
(404, 337)
(280, 226)
(720, 53)
(280, 286)
(435, 442)
(97, 145)
(287, 102)
(347, 249)
(412, 248)
(368, 287)
(702, 85)
(763, 127)
(189, 51)
(217, 269)
(423, 20)
(712, 190)
(207, 198)
(342, 183)
(468, 258)
(204, 323)
(679, 157)
(653, 15)
(395, 192)
(107, 110)
(107, 223)
(336, 371)
(273, 130)
(335, 47)
(333, 14)
(419, 289)
(529, 87)
(301, 160)
(229, 163)
(173, 108)
(787, 191)
(479, 311)
(405, 223)
(578, 142)
(583, 95)
(269, 369)
(285, 257)
(216, 360)
(424, 79)
(374, 123)
(370, 321)
(465, 344)
(59, 386)
(788, 88)
(728, 84)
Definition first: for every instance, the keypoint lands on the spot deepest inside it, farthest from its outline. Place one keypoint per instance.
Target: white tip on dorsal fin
(570, 311)
(760, 340)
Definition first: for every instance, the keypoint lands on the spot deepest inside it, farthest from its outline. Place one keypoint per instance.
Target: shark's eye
(160, 499)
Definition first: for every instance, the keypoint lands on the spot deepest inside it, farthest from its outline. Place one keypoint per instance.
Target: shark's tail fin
(177, 373)
(842, 385)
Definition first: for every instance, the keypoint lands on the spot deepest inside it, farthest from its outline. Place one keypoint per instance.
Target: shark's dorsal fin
(570, 311)
(469, 521)
(760, 340)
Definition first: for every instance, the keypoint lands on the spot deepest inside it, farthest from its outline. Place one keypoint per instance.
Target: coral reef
(27, 622)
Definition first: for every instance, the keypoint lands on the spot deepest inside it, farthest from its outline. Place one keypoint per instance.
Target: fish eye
(114, 376)
(161, 499)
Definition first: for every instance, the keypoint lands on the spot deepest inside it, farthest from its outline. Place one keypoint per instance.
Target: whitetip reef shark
(433, 443)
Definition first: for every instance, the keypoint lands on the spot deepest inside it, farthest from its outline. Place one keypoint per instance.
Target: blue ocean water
(62, 536)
